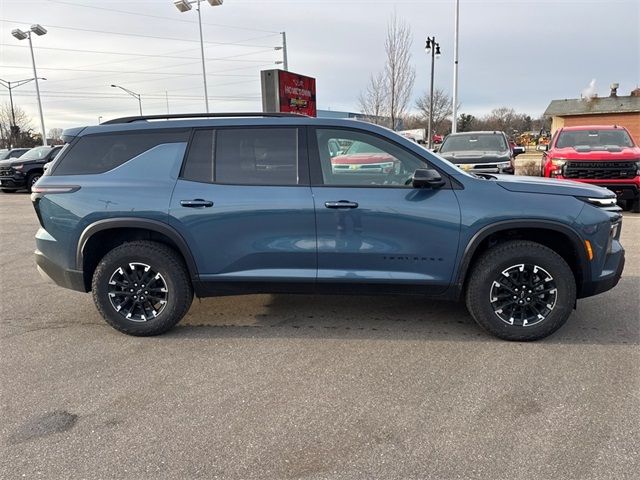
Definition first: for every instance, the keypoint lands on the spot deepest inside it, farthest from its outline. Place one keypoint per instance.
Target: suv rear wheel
(142, 288)
(521, 290)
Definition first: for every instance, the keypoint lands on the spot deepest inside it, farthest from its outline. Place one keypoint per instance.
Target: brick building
(611, 110)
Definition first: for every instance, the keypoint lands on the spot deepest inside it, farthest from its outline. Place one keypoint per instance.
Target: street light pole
(35, 76)
(454, 108)
(185, 6)
(204, 68)
(20, 35)
(285, 59)
(10, 86)
(133, 94)
(433, 48)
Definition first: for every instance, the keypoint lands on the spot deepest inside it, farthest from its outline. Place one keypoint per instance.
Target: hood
(7, 162)
(551, 186)
(571, 153)
(475, 156)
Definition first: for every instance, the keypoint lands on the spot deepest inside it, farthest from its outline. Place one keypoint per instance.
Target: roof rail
(198, 115)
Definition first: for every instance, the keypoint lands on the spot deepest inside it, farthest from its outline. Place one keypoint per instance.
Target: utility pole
(35, 77)
(285, 60)
(166, 97)
(10, 86)
(454, 122)
(433, 48)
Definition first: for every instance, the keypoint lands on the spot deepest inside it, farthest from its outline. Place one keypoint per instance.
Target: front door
(244, 206)
(373, 226)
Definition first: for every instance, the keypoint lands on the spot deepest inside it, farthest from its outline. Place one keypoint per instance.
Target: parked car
(361, 156)
(480, 152)
(145, 213)
(13, 153)
(603, 155)
(23, 172)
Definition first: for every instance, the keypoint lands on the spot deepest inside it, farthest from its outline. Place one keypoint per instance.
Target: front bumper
(610, 275)
(15, 181)
(72, 279)
(624, 189)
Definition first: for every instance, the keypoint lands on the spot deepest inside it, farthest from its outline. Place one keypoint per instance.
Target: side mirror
(517, 151)
(426, 178)
(435, 149)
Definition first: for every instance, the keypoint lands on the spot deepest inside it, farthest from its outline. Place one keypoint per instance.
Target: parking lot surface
(278, 386)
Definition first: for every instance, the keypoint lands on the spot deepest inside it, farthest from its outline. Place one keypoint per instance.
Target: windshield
(36, 153)
(361, 147)
(594, 139)
(474, 142)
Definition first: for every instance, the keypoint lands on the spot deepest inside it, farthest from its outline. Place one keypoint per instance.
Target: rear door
(244, 206)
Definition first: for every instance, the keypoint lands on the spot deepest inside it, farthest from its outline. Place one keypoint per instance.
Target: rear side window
(244, 156)
(100, 153)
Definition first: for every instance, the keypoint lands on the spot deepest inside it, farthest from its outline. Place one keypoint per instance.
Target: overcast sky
(516, 53)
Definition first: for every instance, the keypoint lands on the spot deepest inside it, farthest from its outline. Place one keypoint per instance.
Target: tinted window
(37, 153)
(368, 160)
(594, 139)
(257, 156)
(101, 153)
(199, 164)
(474, 142)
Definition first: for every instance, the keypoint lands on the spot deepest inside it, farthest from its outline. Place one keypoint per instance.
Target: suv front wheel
(521, 290)
(142, 288)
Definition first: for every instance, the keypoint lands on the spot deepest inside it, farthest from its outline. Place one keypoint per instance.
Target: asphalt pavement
(313, 387)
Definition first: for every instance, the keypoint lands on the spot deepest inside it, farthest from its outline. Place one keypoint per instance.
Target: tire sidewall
(566, 293)
(177, 290)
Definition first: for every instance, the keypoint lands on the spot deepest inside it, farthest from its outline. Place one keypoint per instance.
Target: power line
(182, 74)
(173, 39)
(162, 17)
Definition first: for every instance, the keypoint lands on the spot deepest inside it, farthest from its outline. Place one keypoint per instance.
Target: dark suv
(144, 213)
(23, 172)
(480, 152)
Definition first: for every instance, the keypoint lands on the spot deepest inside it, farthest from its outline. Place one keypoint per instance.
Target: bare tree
(442, 109)
(55, 134)
(373, 100)
(398, 72)
(23, 122)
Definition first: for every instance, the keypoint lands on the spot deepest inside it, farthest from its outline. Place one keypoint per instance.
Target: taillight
(45, 189)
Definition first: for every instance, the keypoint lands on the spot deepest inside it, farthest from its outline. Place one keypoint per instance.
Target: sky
(515, 53)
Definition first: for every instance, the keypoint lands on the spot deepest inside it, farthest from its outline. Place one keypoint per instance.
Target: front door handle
(341, 204)
(196, 203)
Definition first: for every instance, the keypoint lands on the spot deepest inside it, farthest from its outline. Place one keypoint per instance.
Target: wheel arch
(561, 238)
(109, 233)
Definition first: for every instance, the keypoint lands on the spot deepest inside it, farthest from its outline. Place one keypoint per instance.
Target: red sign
(297, 93)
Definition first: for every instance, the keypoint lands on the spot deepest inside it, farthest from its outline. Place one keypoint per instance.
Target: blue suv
(145, 212)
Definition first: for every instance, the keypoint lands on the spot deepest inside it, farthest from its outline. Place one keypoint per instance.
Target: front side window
(364, 159)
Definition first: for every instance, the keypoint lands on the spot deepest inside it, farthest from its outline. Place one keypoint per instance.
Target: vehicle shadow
(611, 318)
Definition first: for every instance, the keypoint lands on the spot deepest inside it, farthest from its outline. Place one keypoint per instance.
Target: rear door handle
(341, 204)
(196, 203)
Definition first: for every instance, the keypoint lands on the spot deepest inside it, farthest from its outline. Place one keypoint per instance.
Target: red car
(602, 155)
(362, 157)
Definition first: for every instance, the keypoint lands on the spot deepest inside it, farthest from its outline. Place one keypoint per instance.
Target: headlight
(608, 203)
(558, 162)
(17, 167)
(638, 167)
(504, 164)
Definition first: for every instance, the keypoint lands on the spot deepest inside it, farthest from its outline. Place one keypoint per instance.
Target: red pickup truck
(602, 155)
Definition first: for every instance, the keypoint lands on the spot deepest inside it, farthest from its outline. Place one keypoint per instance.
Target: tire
(151, 315)
(7, 190)
(32, 179)
(497, 275)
